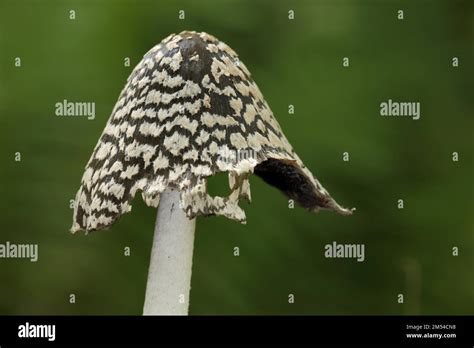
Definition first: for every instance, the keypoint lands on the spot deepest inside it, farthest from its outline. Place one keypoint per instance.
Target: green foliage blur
(299, 62)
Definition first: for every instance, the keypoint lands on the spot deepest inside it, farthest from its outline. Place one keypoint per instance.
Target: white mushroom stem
(169, 275)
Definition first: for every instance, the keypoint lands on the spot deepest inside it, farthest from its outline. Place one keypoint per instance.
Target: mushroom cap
(189, 110)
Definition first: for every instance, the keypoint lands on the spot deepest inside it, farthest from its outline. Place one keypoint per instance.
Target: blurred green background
(408, 251)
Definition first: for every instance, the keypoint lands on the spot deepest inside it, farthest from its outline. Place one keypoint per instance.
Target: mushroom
(189, 110)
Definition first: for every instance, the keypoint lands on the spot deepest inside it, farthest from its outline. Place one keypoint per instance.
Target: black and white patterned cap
(189, 110)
